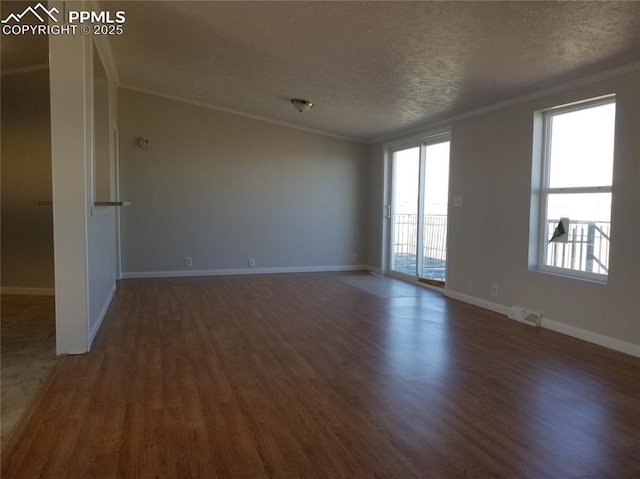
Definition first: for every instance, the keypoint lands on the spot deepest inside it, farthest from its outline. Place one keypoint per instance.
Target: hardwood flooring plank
(323, 376)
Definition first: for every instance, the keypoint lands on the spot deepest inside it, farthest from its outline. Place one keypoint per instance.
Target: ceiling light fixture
(301, 105)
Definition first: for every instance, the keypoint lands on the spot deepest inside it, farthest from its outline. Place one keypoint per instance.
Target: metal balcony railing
(434, 251)
(586, 249)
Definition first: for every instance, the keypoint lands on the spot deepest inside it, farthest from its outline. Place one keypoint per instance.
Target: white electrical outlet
(494, 290)
(354, 257)
(252, 263)
(188, 261)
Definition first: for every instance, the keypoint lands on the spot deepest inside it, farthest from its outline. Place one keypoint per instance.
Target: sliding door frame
(422, 141)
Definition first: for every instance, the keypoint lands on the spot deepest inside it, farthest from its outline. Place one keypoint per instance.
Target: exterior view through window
(419, 210)
(576, 189)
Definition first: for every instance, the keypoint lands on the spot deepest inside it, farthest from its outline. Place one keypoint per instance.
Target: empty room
(320, 239)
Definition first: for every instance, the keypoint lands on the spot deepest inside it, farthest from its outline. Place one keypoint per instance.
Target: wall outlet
(354, 257)
(252, 263)
(494, 290)
(188, 261)
(369, 260)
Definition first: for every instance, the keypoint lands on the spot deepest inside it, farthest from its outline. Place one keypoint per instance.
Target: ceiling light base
(301, 105)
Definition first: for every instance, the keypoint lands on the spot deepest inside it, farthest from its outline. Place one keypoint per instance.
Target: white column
(69, 57)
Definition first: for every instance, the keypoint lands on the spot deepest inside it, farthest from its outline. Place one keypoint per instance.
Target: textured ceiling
(372, 69)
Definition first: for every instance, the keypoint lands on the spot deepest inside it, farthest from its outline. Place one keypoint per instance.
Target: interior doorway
(28, 344)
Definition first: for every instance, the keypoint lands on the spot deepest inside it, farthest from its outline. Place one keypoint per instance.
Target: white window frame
(546, 190)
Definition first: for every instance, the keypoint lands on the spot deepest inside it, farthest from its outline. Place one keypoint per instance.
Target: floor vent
(526, 316)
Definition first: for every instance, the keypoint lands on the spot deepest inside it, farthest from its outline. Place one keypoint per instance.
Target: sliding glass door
(418, 210)
(406, 168)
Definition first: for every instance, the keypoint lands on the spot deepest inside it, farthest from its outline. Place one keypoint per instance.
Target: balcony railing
(586, 249)
(434, 251)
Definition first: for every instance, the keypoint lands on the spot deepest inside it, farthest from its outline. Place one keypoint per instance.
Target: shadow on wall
(27, 213)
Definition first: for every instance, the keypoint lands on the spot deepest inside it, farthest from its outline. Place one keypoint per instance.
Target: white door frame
(431, 137)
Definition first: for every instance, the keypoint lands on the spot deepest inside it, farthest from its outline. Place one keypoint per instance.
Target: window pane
(405, 236)
(434, 222)
(582, 147)
(587, 246)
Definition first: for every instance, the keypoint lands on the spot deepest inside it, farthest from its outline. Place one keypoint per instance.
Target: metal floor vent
(526, 316)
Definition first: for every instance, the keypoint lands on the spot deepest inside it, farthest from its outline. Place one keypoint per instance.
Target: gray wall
(101, 222)
(222, 188)
(27, 230)
(491, 168)
(376, 204)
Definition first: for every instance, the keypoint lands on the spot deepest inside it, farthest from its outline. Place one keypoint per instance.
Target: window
(575, 188)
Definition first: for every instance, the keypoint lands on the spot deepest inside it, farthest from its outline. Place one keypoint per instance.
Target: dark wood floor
(325, 375)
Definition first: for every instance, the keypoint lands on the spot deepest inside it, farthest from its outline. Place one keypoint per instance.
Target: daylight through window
(576, 190)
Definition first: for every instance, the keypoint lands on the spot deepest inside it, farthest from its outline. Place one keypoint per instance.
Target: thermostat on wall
(144, 143)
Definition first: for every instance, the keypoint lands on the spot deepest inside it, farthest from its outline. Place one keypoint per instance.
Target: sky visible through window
(407, 167)
(581, 155)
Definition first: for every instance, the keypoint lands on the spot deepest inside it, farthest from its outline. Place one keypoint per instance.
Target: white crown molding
(239, 113)
(28, 69)
(106, 54)
(570, 85)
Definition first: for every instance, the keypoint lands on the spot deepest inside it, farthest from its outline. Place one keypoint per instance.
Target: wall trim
(27, 69)
(103, 312)
(104, 48)
(443, 133)
(418, 130)
(557, 326)
(241, 271)
(373, 269)
(482, 303)
(240, 113)
(591, 337)
(562, 87)
(19, 290)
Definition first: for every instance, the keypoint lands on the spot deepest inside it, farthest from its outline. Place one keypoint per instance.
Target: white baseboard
(557, 326)
(241, 271)
(103, 312)
(591, 337)
(466, 298)
(28, 291)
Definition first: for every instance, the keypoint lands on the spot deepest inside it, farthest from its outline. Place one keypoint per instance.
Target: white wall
(223, 188)
(27, 229)
(491, 168)
(84, 238)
